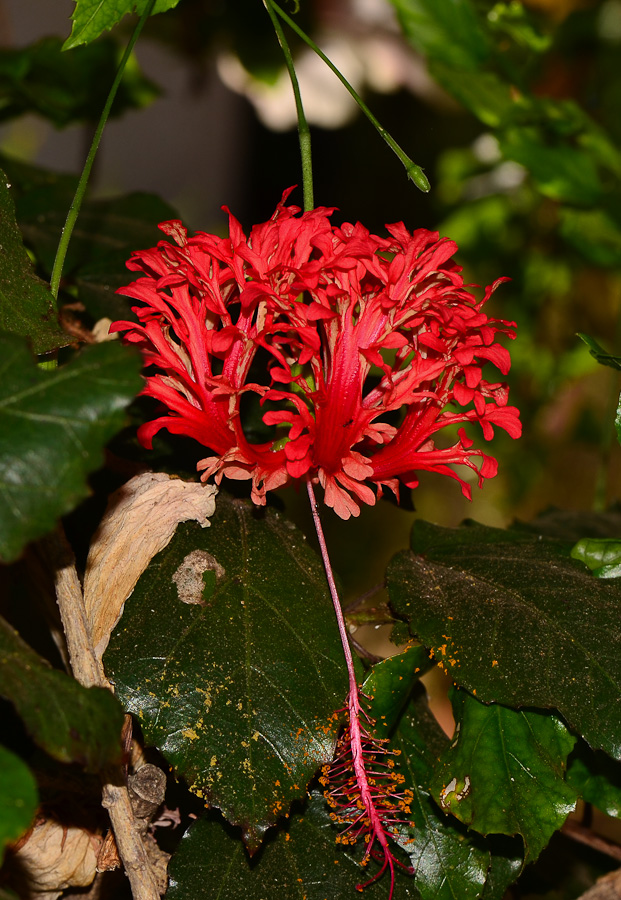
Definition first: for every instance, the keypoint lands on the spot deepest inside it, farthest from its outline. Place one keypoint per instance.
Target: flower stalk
(414, 172)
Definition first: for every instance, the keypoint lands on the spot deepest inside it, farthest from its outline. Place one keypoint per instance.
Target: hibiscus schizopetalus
(370, 346)
(359, 349)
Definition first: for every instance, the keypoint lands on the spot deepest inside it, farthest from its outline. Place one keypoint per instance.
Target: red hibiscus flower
(358, 348)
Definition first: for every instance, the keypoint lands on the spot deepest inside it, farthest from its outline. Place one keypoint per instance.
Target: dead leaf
(53, 857)
(140, 520)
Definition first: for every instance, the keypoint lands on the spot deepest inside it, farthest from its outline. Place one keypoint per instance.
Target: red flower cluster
(370, 346)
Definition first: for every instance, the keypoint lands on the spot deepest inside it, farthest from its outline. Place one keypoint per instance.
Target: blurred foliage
(68, 87)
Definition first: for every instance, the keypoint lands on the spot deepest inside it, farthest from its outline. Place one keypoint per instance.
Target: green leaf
(236, 683)
(602, 556)
(593, 233)
(107, 230)
(504, 773)
(572, 525)
(53, 428)
(67, 87)
(561, 172)
(390, 682)
(26, 304)
(68, 721)
(18, 798)
(449, 862)
(444, 30)
(91, 17)
(597, 778)
(514, 618)
(513, 20)
(486, 95)
(300, 861)
(107, 233)
(598, 352)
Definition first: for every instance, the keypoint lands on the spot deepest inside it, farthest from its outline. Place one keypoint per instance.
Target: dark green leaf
(598, 352)
(561, 172)
(515, 619)
(444, 30)
(26, 304)
(504, 773)
(91, 17)
(18, 798)
(67, 87)
(237, 685)
(507, 864)
(572, 525)
(602, 556)
(53, 428)
(301, 862)
(71, 723)
(107, 231)
(597, 778)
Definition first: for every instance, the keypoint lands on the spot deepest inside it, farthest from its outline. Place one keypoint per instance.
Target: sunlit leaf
(514, 618)
(229, 655)
(53, 428)
(504, 772)
(68, 721)
(18, 798)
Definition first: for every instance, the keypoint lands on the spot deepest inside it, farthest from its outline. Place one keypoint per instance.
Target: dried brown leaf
(53, 857)
(140, 520)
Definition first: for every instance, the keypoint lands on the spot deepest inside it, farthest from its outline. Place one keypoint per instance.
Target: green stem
(74, 210)
(414, 172)
(303, 129)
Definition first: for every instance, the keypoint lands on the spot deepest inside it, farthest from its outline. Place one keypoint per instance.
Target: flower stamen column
(370, 817)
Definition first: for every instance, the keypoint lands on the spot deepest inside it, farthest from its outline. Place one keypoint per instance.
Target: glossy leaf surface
(236, 676)
(26, 304)
(390, 682)
(504, 772)
(597, 778)
(68, 721)
(18, 798)
(53, 428)
(514, 618)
